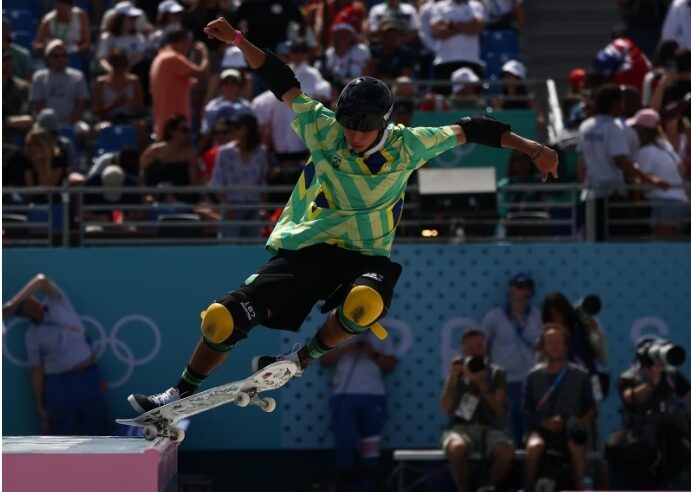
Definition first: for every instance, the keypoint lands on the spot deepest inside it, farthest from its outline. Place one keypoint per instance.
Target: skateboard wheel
(150, 432)
(178, 435)
(268, 404)
(242, 400)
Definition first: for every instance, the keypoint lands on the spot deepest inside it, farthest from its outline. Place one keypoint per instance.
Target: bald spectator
(172, 78)
(60, 88)
(67, 23)
(456, 26)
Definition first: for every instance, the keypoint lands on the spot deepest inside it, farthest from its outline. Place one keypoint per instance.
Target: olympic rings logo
(103, 341)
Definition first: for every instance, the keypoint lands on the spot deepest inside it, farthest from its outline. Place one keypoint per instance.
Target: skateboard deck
(161, 421)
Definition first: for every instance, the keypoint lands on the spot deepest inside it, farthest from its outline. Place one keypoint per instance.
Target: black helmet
(365, 104)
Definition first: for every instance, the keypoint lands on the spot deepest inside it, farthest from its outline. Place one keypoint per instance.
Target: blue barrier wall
(141, 308)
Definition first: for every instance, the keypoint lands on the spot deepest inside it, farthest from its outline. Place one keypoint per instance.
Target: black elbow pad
(483, 129)
(278, 77)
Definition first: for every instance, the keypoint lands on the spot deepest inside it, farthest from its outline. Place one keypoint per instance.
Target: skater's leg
(362, 306)
(224, 323)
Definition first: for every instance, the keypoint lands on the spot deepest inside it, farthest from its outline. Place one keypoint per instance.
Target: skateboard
(161, 421)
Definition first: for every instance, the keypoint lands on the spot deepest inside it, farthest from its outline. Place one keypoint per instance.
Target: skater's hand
(367, 349)
(655, 373)
(220, 29)
(547, 161)
(554, 424)
(45, 421)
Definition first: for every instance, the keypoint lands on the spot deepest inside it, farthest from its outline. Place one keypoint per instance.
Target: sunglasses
(183, 129)
(58, 55)
(225, 131)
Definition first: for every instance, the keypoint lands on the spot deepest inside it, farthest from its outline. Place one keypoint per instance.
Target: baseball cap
(514, 67)
(112, 175)
(462, 77)
(521, 279)
(48, 120)
(128, 9)
(233, 58)
(391, 23)
(646, 118)
(231, 73)
(170, 7)
(52, 45)
(577, 78)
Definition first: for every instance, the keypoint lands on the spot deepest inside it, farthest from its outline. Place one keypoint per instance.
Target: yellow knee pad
(217, 323)
(363, 305)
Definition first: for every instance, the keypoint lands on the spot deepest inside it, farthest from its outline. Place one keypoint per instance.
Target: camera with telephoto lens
(656, 351)
(474, 364)
(588, 307)
(575, 430)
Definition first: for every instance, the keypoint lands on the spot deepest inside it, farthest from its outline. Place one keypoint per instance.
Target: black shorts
(292, 282)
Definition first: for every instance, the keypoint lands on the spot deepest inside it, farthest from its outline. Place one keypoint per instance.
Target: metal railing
(61, 217)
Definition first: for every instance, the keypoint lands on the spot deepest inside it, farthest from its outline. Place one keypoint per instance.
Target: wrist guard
(276, 75)
(483, 129)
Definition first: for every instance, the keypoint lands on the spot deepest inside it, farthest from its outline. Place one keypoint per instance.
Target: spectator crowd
(86, 81)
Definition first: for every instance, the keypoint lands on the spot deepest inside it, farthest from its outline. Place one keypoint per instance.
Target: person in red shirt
(172, 78)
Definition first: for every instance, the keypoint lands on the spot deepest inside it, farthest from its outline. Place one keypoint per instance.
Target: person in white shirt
(605, 155)
(677, 24)
(403, 12)
(347, 57)
(670, 208)
(121, 33)
(511, 332)
(456, 27)
(67, 384)
(275, 118)
(358, 405)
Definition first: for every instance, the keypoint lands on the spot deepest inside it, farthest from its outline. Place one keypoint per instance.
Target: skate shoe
(259, 362)
(145, 403)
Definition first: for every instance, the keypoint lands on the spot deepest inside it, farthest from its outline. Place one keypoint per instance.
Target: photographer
(654, 444)
(474, 398)
(559, 406)
(587, 344)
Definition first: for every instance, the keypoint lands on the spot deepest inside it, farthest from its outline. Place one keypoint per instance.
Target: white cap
(233, 58)
(114, 176)
(462, 77)
(128, 9)
(52, 44)
(514, 67)
(170, 7)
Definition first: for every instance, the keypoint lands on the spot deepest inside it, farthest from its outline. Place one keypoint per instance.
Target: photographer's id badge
(466, 409)
(597, 389)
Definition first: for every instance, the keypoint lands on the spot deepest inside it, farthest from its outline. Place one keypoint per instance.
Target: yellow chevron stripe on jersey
(364, 196)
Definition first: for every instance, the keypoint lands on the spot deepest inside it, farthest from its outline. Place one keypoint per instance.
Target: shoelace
(296, 347)
(163, 398)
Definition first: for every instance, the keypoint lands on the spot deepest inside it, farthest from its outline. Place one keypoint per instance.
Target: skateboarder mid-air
(334, 238)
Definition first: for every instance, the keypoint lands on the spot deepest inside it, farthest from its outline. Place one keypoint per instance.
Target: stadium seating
(115, 138)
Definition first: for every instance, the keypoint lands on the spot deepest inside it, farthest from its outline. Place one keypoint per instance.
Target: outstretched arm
(487, 131)
(256, 58)
(40, 283)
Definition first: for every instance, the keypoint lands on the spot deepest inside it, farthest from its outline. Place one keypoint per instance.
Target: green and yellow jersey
(350, 200)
